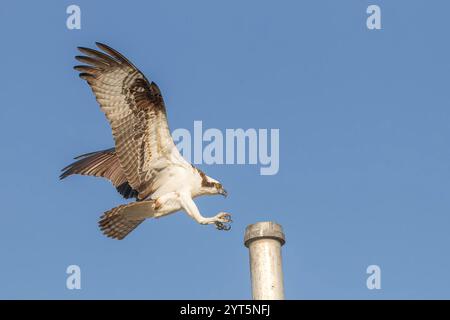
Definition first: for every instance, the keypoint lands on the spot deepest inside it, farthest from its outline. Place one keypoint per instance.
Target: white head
(211, 186)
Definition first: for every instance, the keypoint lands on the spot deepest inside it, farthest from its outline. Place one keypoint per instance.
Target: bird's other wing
(135, 110)
(104, 164)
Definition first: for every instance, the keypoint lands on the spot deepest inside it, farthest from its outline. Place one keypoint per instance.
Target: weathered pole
(264, 240)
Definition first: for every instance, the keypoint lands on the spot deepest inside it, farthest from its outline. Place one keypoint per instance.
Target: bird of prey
(145, 164)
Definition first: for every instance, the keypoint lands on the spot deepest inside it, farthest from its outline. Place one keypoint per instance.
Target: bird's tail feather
(118, 222)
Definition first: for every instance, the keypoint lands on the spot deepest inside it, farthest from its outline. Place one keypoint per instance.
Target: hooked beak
(223, 192)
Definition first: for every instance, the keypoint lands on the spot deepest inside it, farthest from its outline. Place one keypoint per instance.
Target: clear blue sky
(364, 125)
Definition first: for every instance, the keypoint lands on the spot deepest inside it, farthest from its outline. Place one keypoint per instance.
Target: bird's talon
(222, 226)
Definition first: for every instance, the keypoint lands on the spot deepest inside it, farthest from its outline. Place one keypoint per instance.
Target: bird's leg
(166, 204)
(221, 220)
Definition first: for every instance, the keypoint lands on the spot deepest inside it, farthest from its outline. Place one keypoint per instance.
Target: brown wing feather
(104, 164)
(136, 112)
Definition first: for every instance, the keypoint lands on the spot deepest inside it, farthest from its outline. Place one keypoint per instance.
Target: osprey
(145, 163)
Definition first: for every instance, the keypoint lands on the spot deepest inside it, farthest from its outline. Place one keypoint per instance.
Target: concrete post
(264, 240)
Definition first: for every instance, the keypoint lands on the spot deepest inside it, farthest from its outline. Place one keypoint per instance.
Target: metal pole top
(264, 230)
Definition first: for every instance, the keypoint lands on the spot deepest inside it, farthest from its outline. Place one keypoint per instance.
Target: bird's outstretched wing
(103, 163)
(135, 110)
